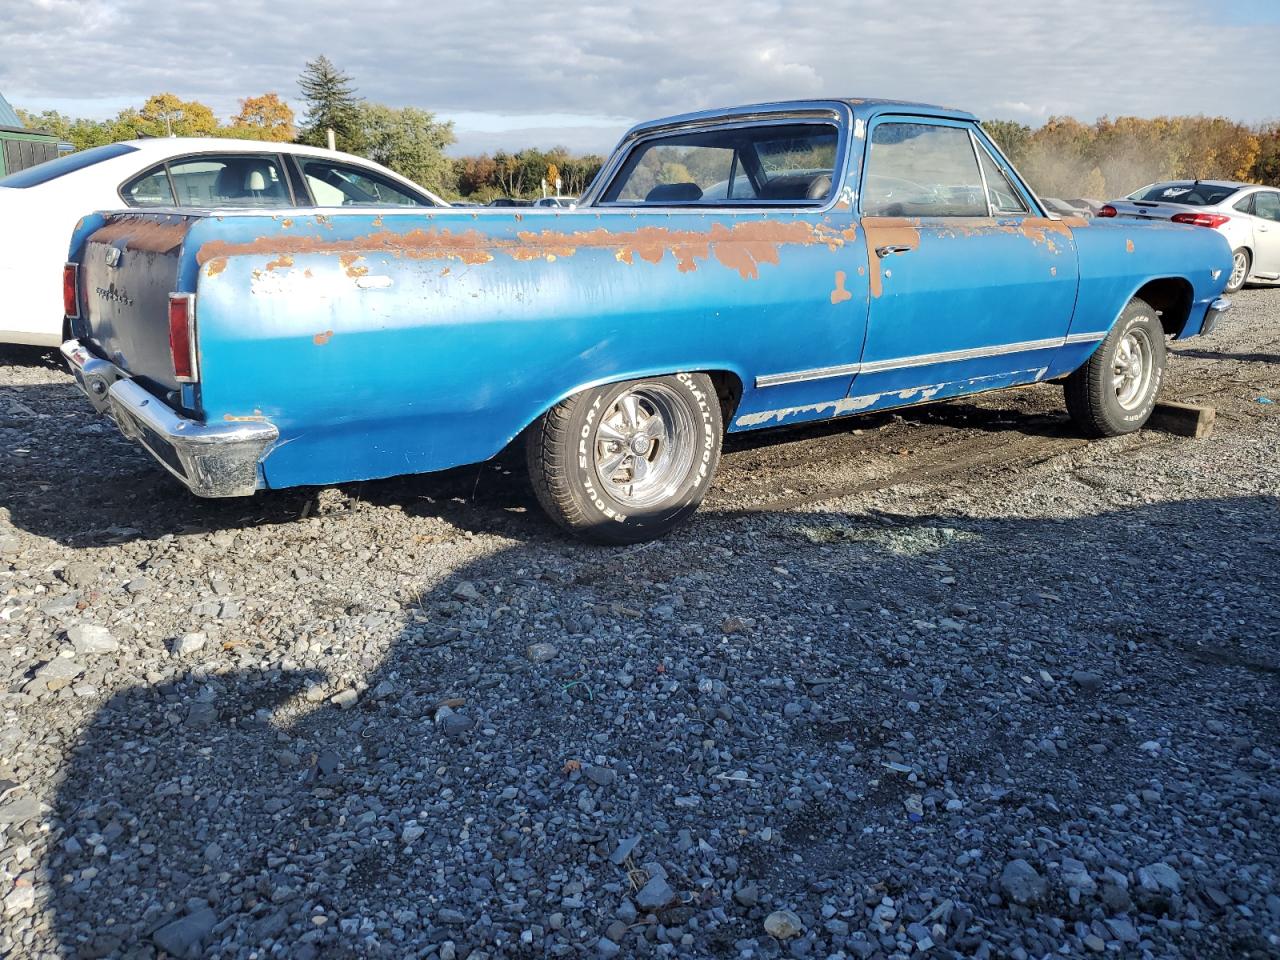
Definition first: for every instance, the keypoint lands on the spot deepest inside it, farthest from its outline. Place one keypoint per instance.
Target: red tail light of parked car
(1212, 220)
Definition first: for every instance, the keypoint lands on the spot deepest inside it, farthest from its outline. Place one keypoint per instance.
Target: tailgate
(129, 266)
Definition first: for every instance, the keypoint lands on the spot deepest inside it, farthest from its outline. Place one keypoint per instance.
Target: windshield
(1192, 194)
(52, 169)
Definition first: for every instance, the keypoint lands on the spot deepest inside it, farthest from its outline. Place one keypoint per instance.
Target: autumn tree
(167, 115)
(332, 104)
(264, 118)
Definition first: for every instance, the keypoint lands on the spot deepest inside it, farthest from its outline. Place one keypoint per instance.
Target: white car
(562, 203)
(1246, 214)
(40, 206)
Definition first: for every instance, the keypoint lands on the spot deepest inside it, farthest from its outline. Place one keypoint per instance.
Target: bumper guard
(213, 460)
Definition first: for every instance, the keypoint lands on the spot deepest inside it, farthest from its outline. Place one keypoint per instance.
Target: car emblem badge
(113, 257)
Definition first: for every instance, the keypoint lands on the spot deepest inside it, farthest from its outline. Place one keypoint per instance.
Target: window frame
(1254, 205)
(978, 150)
(977, 140)
(620, 165)
(278, 158)
(301, 159)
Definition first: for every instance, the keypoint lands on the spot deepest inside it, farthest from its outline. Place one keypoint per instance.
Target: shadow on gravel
(472, 794)
(19, 355)
(1222, 355)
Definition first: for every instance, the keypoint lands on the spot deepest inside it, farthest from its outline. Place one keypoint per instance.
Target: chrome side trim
(799, 376)
(921, 360)
(948, 356)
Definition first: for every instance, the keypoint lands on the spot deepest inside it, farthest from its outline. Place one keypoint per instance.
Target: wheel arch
(728, 381)
(1171, 298)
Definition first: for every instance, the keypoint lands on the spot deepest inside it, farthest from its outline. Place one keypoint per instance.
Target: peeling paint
(216, 266)
(349, 261)
(840, 294)
(281, 262)
(741, 247)
(320, 339)
(887, 231)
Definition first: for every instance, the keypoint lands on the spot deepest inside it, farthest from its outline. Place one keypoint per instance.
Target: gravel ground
(949, 683)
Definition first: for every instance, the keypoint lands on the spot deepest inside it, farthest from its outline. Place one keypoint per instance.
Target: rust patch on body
(1128, 246)
(216, 266)
(840, 294)
(145, 236)
(287, 222)
(349, 261)
(887, 232)
(741, 247)
(320, 339)
(284, 261)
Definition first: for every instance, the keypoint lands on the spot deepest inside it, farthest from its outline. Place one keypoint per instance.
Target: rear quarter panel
(424, 341)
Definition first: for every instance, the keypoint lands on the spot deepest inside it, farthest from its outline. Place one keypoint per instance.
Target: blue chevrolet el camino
(728, 270)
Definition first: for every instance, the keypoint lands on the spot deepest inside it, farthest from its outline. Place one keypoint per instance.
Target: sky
(511, 75)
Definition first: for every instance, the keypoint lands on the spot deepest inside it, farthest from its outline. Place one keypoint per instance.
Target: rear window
(772, 163)
(1191, 194)
(52, 169)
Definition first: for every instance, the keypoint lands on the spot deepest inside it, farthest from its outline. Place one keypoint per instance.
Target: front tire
(1241, 261)
(627, 462)
(1115, 391)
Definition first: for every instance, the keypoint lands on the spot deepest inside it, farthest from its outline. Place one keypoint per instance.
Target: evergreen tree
(331, 103)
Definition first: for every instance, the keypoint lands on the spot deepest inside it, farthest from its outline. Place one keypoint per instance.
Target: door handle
(890, 249)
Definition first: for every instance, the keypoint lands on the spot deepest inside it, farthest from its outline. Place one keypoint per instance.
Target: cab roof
(861, 109)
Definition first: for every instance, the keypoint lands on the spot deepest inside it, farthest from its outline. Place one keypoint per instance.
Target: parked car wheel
(627, 462)
(1116, 390)
(1241, 261)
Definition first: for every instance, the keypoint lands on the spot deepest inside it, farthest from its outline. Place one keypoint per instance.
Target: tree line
(1063, 158)
(410, 141)
(1113, 157)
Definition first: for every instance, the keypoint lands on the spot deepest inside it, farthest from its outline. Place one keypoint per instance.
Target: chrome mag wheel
(645, 445)
(1131, 368)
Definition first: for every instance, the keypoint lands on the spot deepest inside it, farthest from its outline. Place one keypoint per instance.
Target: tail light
(71, 291)
(1214, 220)
(1108, 211)
(182, 336)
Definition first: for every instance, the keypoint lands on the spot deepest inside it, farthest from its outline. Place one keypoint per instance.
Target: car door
(971, 286)
(1266, 232)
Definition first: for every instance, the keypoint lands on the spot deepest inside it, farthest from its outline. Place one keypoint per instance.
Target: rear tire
(1241, 262)
(627, 462)
(1116, 389)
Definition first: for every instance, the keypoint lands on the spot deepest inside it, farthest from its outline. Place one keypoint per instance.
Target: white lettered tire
(627, 462)
(1116, 389)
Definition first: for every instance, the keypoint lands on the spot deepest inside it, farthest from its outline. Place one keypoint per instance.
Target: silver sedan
(1247, 214)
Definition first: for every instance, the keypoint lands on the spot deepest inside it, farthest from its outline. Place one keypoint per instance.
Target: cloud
(635, 61)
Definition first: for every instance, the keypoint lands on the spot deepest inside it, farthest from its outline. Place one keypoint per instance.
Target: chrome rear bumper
(213, 460)
(1216, 309)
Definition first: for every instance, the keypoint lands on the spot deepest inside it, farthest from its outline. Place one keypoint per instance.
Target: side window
(1244, 204)
(922, 170)
(231, 181)
(340, 185)
(778, 163)
(149, 190)
(1267, 205)
(672, 172)
(1001, 192)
